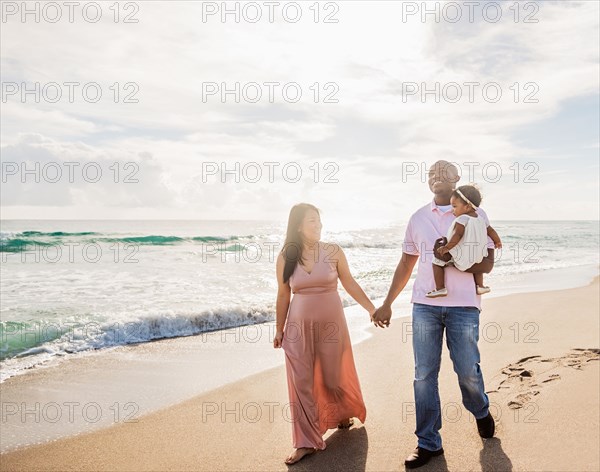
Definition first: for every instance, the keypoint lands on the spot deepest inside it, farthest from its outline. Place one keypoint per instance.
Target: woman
(323, 387)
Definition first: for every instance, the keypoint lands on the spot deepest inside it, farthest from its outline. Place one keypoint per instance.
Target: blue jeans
(462, 334)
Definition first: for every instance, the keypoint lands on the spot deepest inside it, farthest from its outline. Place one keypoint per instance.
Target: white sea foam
(174, 288)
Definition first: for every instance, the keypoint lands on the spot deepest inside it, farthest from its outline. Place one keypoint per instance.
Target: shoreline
(525, 282)
(210, 431)
(161, 368)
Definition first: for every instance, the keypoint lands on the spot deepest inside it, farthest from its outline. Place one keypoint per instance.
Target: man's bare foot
(298, 454)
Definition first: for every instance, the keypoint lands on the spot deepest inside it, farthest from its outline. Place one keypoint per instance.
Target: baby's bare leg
(438, 276)
(478, 279)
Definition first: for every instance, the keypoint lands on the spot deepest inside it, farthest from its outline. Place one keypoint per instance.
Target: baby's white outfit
(472, 248)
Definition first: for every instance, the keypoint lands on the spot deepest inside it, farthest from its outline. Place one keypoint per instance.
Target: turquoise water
(72, 286)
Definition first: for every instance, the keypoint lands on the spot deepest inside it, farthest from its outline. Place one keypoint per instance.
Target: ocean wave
(150, 240)
(360, 245)
(20, 340)
(19, 241)
(56, 233)
(16, 241)
(210, 239)
(20, 245)
(157, 240)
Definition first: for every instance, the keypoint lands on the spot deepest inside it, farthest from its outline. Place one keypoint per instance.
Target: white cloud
(369, 134)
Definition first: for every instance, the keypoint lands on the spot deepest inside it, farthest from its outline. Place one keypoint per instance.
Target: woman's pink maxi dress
(322, 381)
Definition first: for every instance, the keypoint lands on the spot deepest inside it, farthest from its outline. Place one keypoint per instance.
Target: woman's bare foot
(346, 423)
(299, 454)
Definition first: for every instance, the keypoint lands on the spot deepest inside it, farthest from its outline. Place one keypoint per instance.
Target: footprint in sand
(529, 372)
(551, 378)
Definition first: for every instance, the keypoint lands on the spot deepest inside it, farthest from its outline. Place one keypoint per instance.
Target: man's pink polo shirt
(424, 227)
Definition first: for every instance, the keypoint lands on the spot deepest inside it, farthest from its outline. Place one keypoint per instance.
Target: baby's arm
(457, 234)
(491, 232)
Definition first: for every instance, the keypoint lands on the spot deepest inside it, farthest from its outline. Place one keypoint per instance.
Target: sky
(331, 108)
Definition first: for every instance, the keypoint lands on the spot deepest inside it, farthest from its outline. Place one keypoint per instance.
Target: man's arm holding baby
(457, 234)
(487, 264)
(484, 267)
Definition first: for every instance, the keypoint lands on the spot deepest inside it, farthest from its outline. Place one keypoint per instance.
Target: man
(458, 313)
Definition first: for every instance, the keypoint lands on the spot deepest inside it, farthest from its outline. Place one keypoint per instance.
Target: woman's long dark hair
(294, 242)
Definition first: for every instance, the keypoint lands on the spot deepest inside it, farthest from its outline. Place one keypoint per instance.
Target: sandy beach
(176, 178)
(540, 363)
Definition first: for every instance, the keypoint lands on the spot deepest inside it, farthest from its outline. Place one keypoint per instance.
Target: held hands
(277, 340)
(381, 316)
